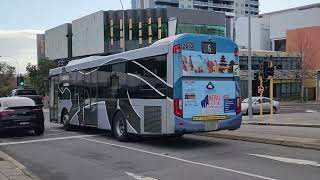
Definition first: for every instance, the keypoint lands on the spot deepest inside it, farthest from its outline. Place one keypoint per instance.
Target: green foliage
(38, 76)
(7, 79)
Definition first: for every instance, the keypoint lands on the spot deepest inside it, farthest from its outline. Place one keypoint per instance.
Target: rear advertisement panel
(208, 99)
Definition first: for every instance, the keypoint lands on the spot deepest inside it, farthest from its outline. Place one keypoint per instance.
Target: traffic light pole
(271, 93)
(249, 68)
(261, 92)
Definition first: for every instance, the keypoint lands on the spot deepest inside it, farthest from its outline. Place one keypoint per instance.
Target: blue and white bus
(182, 84)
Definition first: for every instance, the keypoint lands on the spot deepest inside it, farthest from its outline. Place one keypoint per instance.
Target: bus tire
(119, 127)
(65, 119)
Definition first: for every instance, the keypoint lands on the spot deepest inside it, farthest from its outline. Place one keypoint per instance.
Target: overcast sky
(22, 19)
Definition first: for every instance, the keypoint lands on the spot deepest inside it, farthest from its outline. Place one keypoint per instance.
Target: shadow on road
(176, 143)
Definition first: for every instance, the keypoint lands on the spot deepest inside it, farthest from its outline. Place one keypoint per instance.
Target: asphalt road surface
(94, 155)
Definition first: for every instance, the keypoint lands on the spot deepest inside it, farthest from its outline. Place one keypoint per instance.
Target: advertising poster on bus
(212, 99)
(201, 64)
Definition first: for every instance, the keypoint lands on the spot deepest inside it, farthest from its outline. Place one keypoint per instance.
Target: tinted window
(266, 100)
(112, 81)
(157, 65)
(26, 92)
(148, 78)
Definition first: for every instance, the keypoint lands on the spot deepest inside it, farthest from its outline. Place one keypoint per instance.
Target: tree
(38, 75)
(306, 52)
(7, 79)
(300, 41)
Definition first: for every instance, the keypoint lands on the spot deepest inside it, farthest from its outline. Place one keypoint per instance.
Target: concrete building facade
(40, 47)
(280, 31)
(230, 7)
(58, 42)
(101, 33)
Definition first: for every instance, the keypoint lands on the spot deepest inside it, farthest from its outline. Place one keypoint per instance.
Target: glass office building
(287, 77)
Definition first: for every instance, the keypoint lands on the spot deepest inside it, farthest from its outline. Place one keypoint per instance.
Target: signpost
(260, 90)
(271, 73)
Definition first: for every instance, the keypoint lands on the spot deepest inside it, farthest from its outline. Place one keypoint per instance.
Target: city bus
(187, 83)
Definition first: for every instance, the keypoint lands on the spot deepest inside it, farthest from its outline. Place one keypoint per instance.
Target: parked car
(30, 93)
(256, 105)
(21, 113)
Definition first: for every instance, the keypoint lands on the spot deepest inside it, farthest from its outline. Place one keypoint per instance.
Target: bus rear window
(26, 92)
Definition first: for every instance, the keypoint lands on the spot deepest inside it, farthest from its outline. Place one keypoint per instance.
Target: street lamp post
(123, 29)
(249, 67)
(15, 60)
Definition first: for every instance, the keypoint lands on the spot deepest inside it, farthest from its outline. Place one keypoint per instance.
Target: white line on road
(310, 111)
(288, 160)
(43, 140)
(54, 134)
(137, 177)
(181, 160)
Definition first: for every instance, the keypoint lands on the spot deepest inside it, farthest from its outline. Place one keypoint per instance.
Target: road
(91, 154)
(298, 108)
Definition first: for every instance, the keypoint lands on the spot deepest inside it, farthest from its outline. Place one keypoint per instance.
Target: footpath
(10, 169)
(300, 130)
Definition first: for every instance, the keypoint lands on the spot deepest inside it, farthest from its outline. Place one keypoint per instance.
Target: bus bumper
(184, 126)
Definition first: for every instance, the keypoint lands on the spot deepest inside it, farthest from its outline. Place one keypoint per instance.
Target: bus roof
(157, 48)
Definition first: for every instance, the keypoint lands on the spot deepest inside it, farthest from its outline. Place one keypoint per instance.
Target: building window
(280, 45)
(200, 29)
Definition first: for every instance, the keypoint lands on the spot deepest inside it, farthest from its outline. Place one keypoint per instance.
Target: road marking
(55, 134)
(43, 140)
(310, 111)
(137, 177)
(288, 160)
(181, 160)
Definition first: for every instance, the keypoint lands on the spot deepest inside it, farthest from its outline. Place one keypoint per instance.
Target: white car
(256, 105)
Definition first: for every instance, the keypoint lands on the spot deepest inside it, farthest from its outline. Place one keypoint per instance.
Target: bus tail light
(236, 52)
(178, 107)
(238, 110)
(176, 49)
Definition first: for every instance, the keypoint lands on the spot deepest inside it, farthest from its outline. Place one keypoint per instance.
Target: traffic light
(256, 75)
(20, 81)
(271, 71)
(265, 71)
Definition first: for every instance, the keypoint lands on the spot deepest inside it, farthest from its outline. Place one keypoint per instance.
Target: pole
(271, 93)
(261, 92)
(17, 62)
(249, 67)
(123, 29)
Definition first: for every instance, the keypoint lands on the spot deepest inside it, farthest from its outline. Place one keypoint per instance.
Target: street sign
(260, 89)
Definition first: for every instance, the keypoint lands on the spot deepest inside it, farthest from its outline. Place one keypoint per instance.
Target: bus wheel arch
(119, 126)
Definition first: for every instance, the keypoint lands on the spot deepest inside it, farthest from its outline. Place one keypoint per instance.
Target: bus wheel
(65, 120)
(120, 127)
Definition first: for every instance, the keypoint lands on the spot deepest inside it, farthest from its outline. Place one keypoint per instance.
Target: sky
(20, 20)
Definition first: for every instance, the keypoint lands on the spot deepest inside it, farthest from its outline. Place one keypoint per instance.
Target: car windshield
(26, 92)
(247, 100)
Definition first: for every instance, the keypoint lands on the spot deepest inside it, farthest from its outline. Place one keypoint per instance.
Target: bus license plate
(209, 118)
(210, 125)
(24, 123)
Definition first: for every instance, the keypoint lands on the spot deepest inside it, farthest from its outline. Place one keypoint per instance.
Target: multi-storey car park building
(231, 7)
(101, 33)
